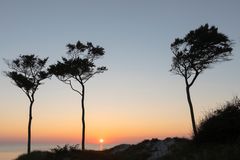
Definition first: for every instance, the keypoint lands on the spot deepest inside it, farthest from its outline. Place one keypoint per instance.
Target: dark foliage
(27, 72)
(80, 64)
(221, 125)
(196, 52)
(187, 150)
(65, 148)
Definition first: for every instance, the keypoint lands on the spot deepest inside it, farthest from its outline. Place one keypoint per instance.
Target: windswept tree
(27, 73)
(78, 68)
(196, 52)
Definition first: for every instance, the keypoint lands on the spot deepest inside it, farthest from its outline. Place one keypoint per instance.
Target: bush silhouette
(221, 125)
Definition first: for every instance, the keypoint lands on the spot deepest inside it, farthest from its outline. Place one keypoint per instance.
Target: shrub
(221, 125)
(65, 149)
(64, 152)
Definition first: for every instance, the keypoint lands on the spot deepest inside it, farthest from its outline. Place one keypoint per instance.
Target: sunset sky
(137, 98)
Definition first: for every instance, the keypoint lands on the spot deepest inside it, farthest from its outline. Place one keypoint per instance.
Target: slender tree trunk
(83, 118)
(191, 110)
(29, 127)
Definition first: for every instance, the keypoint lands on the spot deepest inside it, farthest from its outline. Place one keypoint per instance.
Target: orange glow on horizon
(114, 133)
(112, 129)
(113, 138)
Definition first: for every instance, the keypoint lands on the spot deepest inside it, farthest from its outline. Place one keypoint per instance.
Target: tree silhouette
(79, 68)
(27, 72)
(195, 53)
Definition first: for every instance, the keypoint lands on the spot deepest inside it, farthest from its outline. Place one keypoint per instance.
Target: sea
(12, 151)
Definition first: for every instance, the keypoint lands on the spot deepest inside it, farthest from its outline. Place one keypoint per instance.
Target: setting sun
(101, 140)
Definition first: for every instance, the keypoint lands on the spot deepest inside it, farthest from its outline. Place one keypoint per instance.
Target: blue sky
(136, 35)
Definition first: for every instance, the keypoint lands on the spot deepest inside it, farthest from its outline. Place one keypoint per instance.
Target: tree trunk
(83, 118)
(29, 127)
(191, 110)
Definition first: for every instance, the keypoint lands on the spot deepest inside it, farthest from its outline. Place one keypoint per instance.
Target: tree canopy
(198, 50)
(27, 72)
(80, 64)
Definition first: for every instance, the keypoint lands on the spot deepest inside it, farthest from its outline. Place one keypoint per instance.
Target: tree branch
(70, 83)
(194, 78)
(90, 76)
(79, 79)
(29, 97)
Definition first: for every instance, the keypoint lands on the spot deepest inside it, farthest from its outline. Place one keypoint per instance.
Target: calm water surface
(12, 151)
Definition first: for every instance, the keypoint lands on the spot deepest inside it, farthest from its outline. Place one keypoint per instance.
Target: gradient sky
(137, 98)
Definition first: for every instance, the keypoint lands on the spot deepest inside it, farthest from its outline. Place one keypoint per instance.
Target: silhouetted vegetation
(168, 149)
(147, 149)
(65, 148)
(66, 152)
(79, 68)
(190, 151)
(27, 73)
(218, 137)
(196, 52)
(221, 125)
